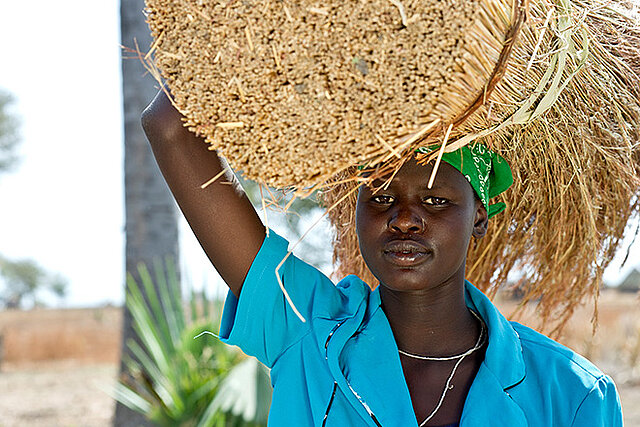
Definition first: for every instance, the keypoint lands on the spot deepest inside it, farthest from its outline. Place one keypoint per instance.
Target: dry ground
(66, 393)
(58, 363)
(55, 366)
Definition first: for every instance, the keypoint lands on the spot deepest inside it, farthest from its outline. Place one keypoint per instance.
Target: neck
(431, 322)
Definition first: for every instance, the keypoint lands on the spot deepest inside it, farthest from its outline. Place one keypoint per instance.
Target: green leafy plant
(180, 375)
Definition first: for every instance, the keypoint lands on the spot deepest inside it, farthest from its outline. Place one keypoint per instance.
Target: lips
(406, 253)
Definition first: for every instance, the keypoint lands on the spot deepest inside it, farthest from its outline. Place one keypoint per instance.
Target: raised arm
(221, 216)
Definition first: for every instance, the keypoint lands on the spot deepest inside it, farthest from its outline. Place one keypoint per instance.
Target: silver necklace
(479, 343)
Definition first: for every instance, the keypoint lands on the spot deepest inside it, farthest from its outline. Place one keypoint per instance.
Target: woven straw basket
(296, 93)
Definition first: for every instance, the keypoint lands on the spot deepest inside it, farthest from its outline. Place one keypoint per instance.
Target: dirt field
(52, 394)
(56, 365)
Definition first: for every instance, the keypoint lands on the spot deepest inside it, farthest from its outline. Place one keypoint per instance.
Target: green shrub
(180, 375)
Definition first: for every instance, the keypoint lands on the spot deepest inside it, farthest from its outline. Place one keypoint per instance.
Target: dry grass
(91, 335)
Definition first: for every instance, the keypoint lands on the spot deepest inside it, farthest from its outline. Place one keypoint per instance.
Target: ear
(481, 221)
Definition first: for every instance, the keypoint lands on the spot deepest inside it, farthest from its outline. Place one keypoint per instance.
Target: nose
(405, 220)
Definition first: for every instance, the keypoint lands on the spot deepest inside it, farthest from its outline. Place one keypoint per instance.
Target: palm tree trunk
(151, 227)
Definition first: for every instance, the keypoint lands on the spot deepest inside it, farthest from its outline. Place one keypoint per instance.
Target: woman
(424, 348)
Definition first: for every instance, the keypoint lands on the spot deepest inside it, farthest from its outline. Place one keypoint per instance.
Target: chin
(406, 281)
(420, 279)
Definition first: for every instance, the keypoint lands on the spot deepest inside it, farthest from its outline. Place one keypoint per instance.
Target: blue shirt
(341, 367)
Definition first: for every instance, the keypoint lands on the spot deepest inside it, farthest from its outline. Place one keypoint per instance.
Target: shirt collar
(504, 350)
(374, 360)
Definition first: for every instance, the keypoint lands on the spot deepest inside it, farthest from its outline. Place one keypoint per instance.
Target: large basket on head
(295, 94)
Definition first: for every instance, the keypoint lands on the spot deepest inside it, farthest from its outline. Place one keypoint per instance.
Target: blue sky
(64, 204)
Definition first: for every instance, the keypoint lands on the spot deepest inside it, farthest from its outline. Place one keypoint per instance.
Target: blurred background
(63, 252)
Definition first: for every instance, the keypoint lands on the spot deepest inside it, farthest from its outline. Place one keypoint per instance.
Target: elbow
(149, 123)
(152, 128)
(161, 122)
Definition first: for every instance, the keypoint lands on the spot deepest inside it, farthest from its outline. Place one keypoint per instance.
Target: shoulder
(542, 350)
(353, 286)
(529, 353)
(565, 383)
(325, 298)
(351, 294)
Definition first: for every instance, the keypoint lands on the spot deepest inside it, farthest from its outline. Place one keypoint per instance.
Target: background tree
(24, 281)
(8, 133)
(150, 213)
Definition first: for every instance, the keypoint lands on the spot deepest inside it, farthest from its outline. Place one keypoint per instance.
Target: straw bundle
(295, 94)
(576, 170)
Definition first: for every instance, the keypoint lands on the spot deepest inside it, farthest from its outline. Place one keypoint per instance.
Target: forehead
(416, 176)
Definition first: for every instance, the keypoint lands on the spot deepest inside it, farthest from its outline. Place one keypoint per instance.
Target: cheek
(359, 224)
(364, 219)
(458, 235)
(363, 229)
(368, 229)
(359, 218)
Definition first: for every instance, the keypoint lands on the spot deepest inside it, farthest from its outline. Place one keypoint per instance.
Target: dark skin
(221, 216)
(413, 239)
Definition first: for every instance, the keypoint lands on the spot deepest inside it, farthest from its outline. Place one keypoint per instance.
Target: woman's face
(415, 238)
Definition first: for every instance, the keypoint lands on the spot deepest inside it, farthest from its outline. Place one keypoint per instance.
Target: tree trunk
(150, 212)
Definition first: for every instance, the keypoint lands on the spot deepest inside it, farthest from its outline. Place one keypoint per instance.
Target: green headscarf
(488, 173)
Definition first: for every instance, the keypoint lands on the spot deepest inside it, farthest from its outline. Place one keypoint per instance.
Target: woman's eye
(435, 201)
(384, 200)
